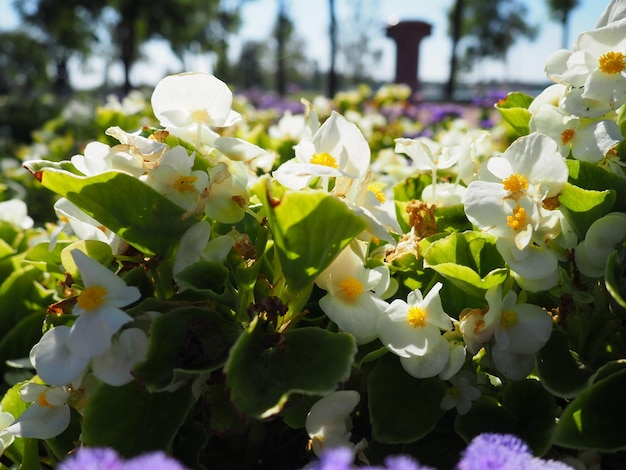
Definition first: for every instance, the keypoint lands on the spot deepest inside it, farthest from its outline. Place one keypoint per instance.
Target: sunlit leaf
(582, 207)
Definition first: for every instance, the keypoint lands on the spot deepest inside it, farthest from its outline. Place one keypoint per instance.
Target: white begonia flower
(114, 365)
(535, 268)
(15, 212)
(328, 423)
(412, 331)
(443, 194)
(337, 149)
(427, 154)
(353, 295)
(55, 363)
(47, 416)
(289, 127)
(99, 158)
(196, 245)
(176, 179)
(195, 100)
(98, 307)
(226, 198)
(148, 150)
(84, 227)
(601, 240)
(595, 66)
(462, 393)
(615, 11)
(589, 142)
(6, 438)
(529, 172)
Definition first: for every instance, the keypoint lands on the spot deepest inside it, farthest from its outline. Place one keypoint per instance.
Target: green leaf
(310, 228)
(264, 368)
(19, 296)
(183, 342)
(613, 274)
(514, 110)
(21, 450)
(18, 341)
(402, 408)
(95, 249)
(561, 374)
(534, 410)
(587, 175)
(45, 259)
(132, 420)
(486, 415)
(582, 207)
(469, 260)
(595, 419)
(125, 205)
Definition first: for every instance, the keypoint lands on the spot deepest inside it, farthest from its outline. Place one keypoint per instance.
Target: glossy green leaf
(588, 175)
(613, 277)
(402, 408)
(20, 296)
(558, 369)
(514, 110)
(125, 205)
(582, 207)
(533, 409)
(265, 368)
(310, 228)
(469, 260)
(183, 342)
(95, 249)
(595, 419)
(133, 421)
(486, 415)
(45, 259)
(17, 342)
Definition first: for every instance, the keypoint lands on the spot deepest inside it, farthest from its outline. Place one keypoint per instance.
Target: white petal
(429, 365)
(91, 333)
(39, 422)
(55, 363)
(114, 366)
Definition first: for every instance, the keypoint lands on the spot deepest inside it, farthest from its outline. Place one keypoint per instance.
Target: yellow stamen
(377, 190)
(612, 62)
(91, 297)
(567, 135)
(201, 115)
(185, 183)
(416, 317)
(517, 221)
(351, 288)
(515, 183)
(43, 401)
(324, 158)
(509, 319)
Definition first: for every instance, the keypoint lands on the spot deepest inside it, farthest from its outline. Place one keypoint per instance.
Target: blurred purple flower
(97, 458)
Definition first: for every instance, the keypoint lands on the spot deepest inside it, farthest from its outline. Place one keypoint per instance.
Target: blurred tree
(560, 11)
(359, 56)
(486, 29)
(65, 26)
(456, 25)
(249, 71)
(332, 32)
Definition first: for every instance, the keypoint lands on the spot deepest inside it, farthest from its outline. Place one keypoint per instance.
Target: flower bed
(243, 292)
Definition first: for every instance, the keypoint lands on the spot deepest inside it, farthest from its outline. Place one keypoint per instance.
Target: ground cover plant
(334, 286)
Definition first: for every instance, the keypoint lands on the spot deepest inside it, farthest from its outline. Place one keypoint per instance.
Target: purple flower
(495, 452)
(96, 458)
(403, 462)
(339, 458)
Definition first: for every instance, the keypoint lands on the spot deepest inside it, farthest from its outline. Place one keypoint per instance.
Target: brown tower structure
(407, 36)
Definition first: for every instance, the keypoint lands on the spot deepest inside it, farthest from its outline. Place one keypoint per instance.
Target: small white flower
(462, 393)
(98, 307)
(56, 364)
(99, 158)
(412, 331)
(6, 438)
(46, 417)
(601, 239)
(328, 423)
(15, 212)
(114, 366)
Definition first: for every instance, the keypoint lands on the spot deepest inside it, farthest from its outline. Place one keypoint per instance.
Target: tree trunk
(281, 33)
(128, 41)
(457, 23)
(332, 74)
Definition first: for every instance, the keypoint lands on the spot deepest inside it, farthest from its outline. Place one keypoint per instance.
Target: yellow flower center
(517, 221)
(509, 319)
(377, 190)
(324, 158)
(43, 401)
(351, 288)
(515, 183)
(91, 297)
(612, 62)
(567, 135)
(185, 184)
(201, 115)
(416, 317)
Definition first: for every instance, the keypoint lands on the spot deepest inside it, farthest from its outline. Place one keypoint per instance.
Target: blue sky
(526, 59)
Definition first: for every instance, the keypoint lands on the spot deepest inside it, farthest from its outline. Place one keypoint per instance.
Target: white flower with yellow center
(507, 202)
(328, 423)
(589, 142)
(462, 393)
(46, 417)
(595, 67)
(176, 179)
(337, 149)
(412, 330)
(98, 307)
(353, 295)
